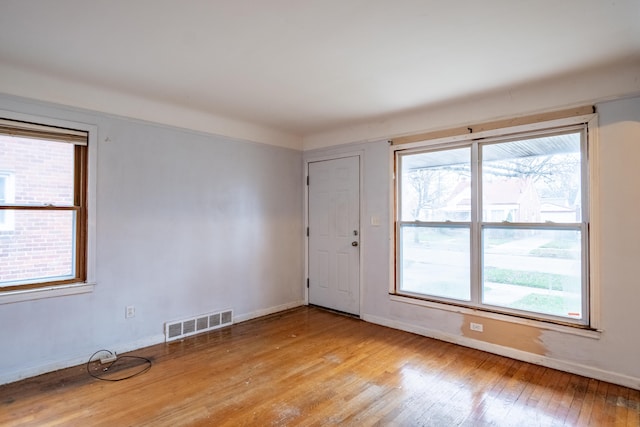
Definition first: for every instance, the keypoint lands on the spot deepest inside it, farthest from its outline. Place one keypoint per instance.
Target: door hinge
(307, 231)
(307, 282)
(307, 179)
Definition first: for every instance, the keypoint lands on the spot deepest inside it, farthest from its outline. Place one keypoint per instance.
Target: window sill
(583, 332)
(49, 292)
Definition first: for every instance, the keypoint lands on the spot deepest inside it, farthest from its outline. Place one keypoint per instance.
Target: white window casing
(587, 226)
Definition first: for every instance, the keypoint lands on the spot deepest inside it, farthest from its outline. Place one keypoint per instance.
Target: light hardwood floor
(311, 367)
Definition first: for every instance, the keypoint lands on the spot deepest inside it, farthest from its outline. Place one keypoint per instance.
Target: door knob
(354, 243)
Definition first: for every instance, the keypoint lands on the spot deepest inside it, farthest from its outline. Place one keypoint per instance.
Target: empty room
(336, 212)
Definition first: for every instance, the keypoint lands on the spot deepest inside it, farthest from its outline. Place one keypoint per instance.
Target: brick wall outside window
(39, 243)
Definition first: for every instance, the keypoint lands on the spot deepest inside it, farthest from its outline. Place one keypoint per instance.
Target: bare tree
(430, 193)
(557, 172)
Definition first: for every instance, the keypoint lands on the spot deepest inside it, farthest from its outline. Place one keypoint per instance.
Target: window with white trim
(45, 198)
(499, 223)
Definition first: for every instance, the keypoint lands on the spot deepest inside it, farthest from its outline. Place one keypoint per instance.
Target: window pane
(533, 180)
(43, 170)
(3, 184)
(435, 186)
(3, 199)
(40, 247)
(435, 261)
(533, 270)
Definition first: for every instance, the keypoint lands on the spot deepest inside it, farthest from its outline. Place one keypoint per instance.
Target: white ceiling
(308, 66)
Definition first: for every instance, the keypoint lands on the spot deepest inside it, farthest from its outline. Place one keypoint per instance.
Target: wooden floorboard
(311, 367)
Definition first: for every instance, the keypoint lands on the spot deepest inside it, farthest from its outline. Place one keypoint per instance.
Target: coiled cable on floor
(108, 366)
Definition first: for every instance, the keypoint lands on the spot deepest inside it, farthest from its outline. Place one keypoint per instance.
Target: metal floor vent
(195, 325)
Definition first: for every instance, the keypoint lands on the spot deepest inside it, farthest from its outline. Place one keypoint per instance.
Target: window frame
(7, 220)
(476, 226)
(84, 204)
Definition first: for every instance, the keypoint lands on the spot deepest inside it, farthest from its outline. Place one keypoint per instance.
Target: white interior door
(334, 234)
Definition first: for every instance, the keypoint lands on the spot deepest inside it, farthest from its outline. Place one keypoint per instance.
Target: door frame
(305, 173)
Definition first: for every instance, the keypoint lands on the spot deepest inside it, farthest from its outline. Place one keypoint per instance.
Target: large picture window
(43, 205)
(500, 223)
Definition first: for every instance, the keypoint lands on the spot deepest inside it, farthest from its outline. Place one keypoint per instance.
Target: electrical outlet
(476, 327)
(129, 312)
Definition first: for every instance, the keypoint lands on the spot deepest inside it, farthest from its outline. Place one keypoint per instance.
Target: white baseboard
(9, 377)
(549, 362)
(574, 368)
(267, 311)
(32, 371)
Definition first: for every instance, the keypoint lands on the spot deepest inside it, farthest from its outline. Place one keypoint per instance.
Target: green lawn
(557, 249)
(549, 304)
(532, 279)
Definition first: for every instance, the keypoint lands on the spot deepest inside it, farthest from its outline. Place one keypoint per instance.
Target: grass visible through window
(551, 304)
(531, 279)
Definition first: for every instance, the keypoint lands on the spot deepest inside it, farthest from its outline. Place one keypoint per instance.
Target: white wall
(22, 82)
(554, 93)
(187, 223)
(614, 353)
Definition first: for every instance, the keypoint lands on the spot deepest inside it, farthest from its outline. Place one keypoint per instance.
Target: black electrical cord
(106, 368)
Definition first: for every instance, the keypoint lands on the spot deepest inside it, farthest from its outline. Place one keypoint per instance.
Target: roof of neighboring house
(505, 191)
(552, 207)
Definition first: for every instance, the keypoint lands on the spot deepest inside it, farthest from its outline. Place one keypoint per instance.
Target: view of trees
(555, 177)
(525, 267)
